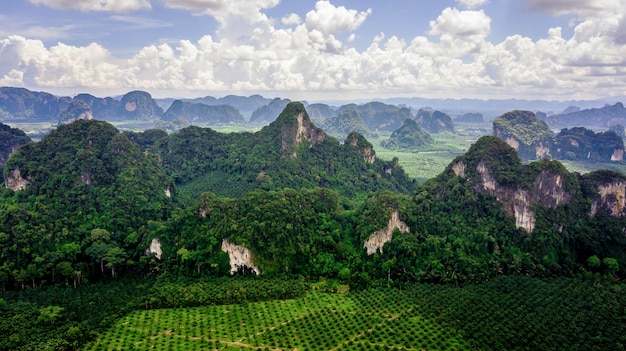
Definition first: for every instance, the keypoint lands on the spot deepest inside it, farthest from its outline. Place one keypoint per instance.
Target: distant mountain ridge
(594, 117)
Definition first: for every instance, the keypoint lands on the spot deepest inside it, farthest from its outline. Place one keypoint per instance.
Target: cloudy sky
(317, 50)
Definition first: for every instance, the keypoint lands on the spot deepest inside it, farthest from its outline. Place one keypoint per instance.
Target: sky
(317, 50)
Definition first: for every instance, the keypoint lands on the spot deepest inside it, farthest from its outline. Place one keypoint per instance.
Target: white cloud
(461, 23)
(579, 7)
(253, 56)
(222, 10)
(291, 19)
(472, 4)
(120, 6)
(329, 19)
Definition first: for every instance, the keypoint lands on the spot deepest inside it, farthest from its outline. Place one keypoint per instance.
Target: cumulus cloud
(471, 4)
(291, 19)
(120, 6)
(310, 55)
(461, 23)
(329, 19)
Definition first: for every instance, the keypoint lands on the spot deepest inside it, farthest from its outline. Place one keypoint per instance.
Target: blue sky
(315, 50)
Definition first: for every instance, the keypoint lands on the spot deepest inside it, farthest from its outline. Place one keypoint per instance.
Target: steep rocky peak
(363, 146)
(295, 128)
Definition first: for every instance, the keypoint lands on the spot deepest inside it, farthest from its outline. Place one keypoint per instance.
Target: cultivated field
(510, 313)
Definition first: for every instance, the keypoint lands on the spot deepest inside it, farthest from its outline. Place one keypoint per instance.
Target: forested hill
(291, 152)
(79, 195)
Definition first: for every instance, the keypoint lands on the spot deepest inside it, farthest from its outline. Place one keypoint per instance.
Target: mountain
(77, 109)
(10, 140)
(523, 131)
(379, 116)
(410, 137)
(201, 113)
(20, 103)
(290, 152)
(139, 105)
(435, 122)
(105, 109)
(594, 117)
(320, 111)
(583, 144)
(80, 195)
(470, 118)
(344, 123)
(269, 112)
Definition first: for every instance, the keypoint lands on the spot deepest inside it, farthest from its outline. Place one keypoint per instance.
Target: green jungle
(286, 238)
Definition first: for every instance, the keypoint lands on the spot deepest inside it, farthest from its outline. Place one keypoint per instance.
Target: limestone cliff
(612, 199)
(14, 180)
(492, 167)
(295, 128)
(377, 240)
(155, 248)
(239, 256)
(547, 190)
(363, 146)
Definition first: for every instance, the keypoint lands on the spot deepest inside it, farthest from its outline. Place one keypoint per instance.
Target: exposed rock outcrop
(612, 199)
(14, 180)
(548, 190)
(239, 256)
(459, 169)
(297, 128)
(377, 240)
(155, 248)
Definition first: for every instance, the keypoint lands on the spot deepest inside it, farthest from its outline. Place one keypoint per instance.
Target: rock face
(296, 127)
(377, 240)
(612, 199)
(239, 256)
(548, 190)
(363, 146)
(524, 132)
(459, 169)
(14, 180)
(155, 248)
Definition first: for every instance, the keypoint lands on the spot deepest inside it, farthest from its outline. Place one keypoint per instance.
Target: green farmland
(510, 313)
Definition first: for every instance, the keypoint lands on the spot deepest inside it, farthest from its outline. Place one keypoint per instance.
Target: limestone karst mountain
(410, 137)
(434, 121)
(524, 132)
